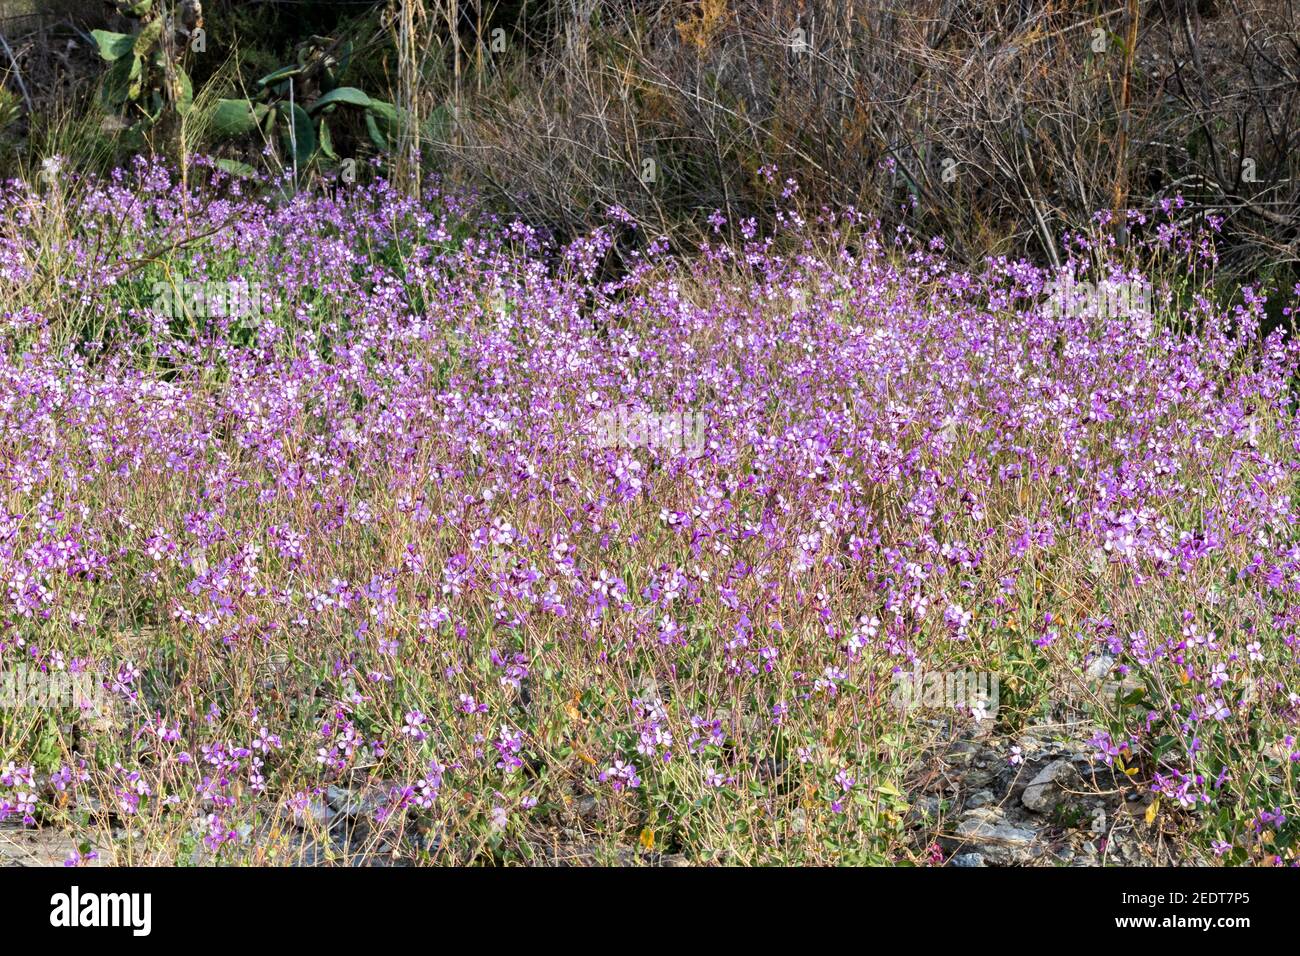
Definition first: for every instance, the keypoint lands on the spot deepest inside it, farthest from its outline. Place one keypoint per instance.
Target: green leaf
(235, 168)
(136, 84)
(344, 94)
(115, 87)
(137, 130)
(300, 137)
(155, 106)
(376, 136)
(237, 117)
(281, 74)
(148, 38)
(184, 92)
(327, 141)
(386, 111)
(384, 123)
(113, 46)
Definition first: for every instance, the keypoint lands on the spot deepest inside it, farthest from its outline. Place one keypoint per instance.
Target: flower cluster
(369, 539)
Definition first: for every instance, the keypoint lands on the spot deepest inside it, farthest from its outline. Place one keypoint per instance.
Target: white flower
(51, 166)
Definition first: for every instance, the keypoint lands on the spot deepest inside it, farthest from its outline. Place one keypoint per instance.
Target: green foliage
(237, 117)
(296, 105)
(146, 75)
(302, 108)
(11, 112)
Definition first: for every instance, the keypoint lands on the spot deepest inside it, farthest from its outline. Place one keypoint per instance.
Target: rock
(354, 803)
(1112, 689)
(1087, 855)
(976, 779)
(91, 804)
(1100, 667)
(969, 859)
(586, 807)
(338, 798)
(316, 813)
(43, 846)
(999, 840)
(1047, 789)
(990, 826)
(923, 810)
(1029, 743)
(979, 799)
(961, 752)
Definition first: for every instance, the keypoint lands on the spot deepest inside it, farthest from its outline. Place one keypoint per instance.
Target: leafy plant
(295, 105)
(10, 109)
(147, 74)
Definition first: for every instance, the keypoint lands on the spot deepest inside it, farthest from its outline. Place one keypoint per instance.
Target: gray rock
(961, 752)
(316, 813)
(975, 779)
(924, 809)
(1047, 789)
(355, 803)
(43, 846)
(969, 859)
(984, 827)
(1087, 855)
(979, 799)
(999, 840)
(1100, 667)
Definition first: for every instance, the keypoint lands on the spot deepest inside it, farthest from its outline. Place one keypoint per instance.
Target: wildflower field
(372, 529)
